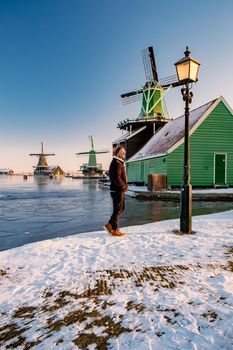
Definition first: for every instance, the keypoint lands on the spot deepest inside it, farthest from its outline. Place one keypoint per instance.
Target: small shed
(211, 149)
(54, 170)
(6, 171)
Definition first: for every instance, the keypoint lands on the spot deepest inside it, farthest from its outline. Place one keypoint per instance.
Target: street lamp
(187, 71)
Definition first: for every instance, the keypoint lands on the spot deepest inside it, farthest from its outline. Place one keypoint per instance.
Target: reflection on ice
(43, 208)
(43, 182)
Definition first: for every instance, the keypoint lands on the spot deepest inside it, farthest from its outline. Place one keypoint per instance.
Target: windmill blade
(96, 152)
(172, 80)
(91, 141)
(82, 153)
(149, 64)
(132, 93)
(132, 96)
(103, 151)
(44, 154)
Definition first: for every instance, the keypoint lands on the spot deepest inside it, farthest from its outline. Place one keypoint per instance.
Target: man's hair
(117, 150)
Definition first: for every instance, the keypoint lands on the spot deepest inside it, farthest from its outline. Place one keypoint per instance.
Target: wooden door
(220, 169)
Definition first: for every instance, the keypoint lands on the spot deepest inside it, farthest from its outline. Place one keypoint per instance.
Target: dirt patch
(25, 312)
(12, 332)
(211, 315)
(228, 251)
(230, 266)
(111, 329)
(93, 308)
(134, 306)
(3, 273)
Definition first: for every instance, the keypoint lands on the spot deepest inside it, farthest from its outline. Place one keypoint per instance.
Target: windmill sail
(132, 96)
(92, 168)
(151, 77)
(172, 80)
(91, 141)
(153, 114)
(42, 164)
(149, 64)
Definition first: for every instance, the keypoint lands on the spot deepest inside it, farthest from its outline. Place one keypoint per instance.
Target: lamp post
(187, 71)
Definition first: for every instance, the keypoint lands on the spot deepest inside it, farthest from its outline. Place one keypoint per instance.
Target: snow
(152, 289)
(132, 188)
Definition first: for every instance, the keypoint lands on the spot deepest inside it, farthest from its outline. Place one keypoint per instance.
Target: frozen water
(42, 208)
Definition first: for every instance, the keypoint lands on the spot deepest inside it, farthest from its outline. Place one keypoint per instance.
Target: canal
(41, 208)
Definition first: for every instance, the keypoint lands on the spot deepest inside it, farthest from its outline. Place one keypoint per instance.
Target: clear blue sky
(64, 64)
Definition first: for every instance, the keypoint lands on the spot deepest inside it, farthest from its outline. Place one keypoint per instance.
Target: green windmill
(92, 168)
(153, 113)
(153, 92)
(42, 164)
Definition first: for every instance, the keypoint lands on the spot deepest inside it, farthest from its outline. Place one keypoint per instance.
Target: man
(118, 187)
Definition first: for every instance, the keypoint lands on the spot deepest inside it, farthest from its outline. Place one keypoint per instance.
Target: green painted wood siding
(154, 166)
(138, 171)
(214, 135)
(134, 171)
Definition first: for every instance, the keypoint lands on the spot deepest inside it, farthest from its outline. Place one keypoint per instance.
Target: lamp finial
(187, 52)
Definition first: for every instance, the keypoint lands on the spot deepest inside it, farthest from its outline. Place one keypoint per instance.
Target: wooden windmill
(42, 164)
(92, 168)
(153, 114)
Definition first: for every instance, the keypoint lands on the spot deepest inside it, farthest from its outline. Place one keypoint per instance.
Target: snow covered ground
(152, 289)
(199, 191)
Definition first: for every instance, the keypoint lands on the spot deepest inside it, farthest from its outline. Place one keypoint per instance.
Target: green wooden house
(211, 149)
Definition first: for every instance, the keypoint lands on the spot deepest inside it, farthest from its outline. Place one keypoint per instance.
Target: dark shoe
(117, 232)
(108, 228)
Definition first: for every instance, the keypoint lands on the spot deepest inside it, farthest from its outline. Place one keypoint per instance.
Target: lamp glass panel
(183, 70)
(194, 67)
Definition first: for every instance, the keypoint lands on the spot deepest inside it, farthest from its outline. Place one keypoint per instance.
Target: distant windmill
(153, 114)
(92, 168)
(42, 164)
